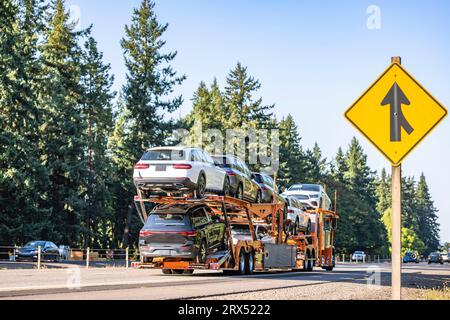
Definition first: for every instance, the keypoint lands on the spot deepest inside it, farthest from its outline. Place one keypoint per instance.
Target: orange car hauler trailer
(288, 252)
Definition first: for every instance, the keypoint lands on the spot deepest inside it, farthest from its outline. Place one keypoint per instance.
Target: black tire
(188, 271)
(201, 186)
(177, 271)
(308, 228)
(295, 227)
(240, 192)
(202, 252)
(310, 263)
(306, 262)
(166, 271)
(250, 263)
(242, 263)
(226, 190)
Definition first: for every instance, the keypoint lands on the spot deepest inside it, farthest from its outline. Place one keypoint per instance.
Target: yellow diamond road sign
(395, 113)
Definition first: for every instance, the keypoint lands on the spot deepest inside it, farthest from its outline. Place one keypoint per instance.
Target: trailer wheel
(242, 262)
(309, 264)
(250, 263)
(166, 271)
(177, 271)
(188, 271)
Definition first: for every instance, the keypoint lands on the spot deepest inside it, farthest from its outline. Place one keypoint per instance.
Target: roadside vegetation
(68, 143)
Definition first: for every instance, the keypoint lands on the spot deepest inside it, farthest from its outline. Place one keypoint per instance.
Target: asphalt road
(347, 281)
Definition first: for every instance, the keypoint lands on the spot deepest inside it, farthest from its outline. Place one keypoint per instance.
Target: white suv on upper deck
(170, 169)
(313, 195)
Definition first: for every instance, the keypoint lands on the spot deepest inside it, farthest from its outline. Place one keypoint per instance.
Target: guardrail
(88, 255)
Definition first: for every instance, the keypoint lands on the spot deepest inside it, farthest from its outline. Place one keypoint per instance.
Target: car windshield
(166, 219)
(163, 155)
(305, 187)
(359, 252)
(240, 229)
(34, 244)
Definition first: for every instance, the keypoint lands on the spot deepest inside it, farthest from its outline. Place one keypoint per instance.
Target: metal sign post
(396, 272)
(395, 131)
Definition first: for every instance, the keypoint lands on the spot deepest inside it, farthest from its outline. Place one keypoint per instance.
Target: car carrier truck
(244, 256)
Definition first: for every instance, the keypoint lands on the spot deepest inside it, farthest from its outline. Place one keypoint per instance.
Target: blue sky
(313, 58)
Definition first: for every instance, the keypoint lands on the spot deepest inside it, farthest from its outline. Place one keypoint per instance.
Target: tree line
(68, 143)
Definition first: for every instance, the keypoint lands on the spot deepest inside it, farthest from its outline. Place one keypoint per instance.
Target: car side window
(197, 156)
(208, 158)
(199, 217)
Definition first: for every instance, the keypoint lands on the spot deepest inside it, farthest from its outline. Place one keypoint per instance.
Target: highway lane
(119, 283)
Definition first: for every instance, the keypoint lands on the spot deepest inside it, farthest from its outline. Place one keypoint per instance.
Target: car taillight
(188, 233)
(141, 166)
(145, 233)
(291, 211)
(182, 166)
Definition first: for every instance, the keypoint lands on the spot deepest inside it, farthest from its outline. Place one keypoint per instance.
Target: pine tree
(242, 109)
(63, 142)
(97, 109)
(22, 176)
(315, 165)
(383, 192)
(409, 205)
(358, 204)
(426, 215)
(292, 163)
(143, 119)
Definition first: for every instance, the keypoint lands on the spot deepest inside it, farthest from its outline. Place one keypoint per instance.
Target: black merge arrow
(395, 97)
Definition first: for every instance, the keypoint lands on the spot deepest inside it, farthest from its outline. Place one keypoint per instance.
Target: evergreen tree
(426, 216)
(242, 109)
(63, 142)
(143, 120)
(22, 176)
(383, 192)
(97, 109)
(409, 206)
(292, 163)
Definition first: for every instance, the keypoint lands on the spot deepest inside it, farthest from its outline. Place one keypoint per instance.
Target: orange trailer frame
(311, 250)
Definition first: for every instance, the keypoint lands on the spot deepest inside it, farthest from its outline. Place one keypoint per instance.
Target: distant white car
(171, 169)
(445, 257)
(358, 256)
(313, 195)
(297, 218)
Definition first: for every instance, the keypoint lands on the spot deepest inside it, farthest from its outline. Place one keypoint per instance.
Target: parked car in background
(313, 195)
(49, 251)
(181, 231)
(444, 256)
(242, 185)
(297, 218)
(241, 231)
(435, 257)
(410, 257)
(170, 169)
(358, 256)
(267, 186)
(64, 252)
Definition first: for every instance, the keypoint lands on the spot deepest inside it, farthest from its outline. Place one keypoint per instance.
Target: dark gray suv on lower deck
(188, 231)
